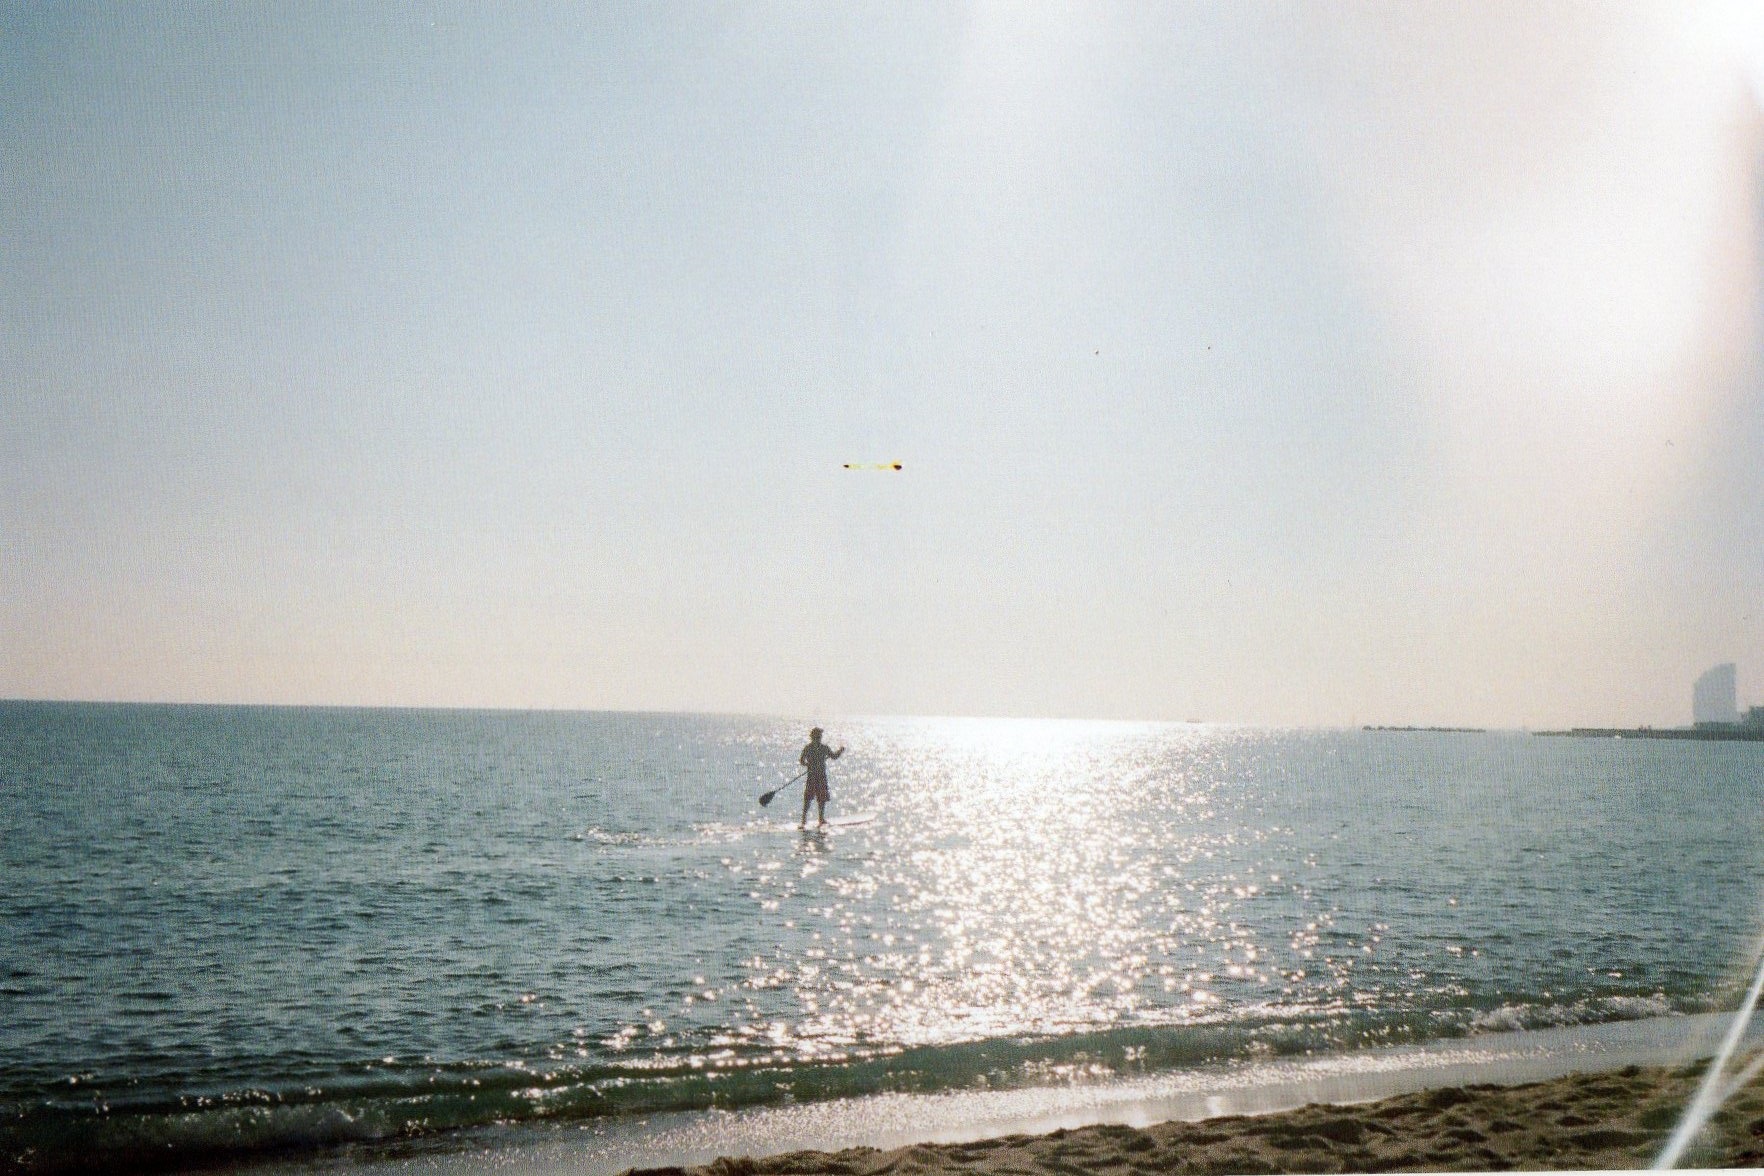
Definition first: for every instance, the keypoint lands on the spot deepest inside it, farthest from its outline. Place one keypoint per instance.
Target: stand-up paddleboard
(844, 822)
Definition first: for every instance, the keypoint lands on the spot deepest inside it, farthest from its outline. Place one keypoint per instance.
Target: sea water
(237, 931)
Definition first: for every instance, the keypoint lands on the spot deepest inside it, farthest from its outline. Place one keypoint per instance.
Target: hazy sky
(1293, 363)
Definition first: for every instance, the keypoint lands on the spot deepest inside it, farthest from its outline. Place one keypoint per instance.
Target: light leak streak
(1713, 1093)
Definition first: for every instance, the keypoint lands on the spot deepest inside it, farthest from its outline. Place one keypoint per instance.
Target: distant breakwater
(1716, 734)
(1447, 730)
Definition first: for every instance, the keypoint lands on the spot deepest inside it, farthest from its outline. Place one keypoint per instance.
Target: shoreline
(953, 1130)
(1614, 1120)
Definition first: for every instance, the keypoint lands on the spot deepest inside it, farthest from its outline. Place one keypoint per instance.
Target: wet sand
(1614, 1120)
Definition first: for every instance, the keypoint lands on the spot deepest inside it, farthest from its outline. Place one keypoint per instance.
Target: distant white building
(1714, 698)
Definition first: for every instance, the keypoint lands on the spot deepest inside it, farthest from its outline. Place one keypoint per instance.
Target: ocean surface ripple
(236, 930)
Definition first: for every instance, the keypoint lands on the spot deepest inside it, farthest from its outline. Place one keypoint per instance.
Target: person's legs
(806, 794)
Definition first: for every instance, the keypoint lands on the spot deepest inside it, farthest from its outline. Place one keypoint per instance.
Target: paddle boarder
(814, 757)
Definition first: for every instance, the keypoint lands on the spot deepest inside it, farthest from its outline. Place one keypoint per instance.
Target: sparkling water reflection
(1046, 880)
(423, 919)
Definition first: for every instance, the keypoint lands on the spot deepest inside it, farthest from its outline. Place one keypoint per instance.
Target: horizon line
(854, 716)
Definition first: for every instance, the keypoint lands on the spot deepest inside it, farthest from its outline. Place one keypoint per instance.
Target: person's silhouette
(814, 757)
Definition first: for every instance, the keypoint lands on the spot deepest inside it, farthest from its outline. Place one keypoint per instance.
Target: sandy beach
(1614, 1120)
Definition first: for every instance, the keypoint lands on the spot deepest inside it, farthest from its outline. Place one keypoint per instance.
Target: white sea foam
(1510, 1018)
(603, 1147)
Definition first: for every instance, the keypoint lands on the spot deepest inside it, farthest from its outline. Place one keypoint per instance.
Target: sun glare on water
(1000, 769)
(1019, 894)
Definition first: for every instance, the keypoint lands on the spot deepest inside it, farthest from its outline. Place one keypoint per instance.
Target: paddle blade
(766, 797)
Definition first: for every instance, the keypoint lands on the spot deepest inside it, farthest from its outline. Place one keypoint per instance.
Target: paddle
(766, 797)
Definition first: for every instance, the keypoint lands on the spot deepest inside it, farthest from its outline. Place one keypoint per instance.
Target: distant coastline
(1734, 733)
(1722, 733)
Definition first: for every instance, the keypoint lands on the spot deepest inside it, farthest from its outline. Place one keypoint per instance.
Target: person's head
(814, 734)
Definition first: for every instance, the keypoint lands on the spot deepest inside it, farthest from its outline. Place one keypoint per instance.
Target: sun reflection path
(1048, 903)
(1144, 894)
(1033, 879)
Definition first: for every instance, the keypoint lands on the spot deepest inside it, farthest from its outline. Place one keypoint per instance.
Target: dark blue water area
(229, 931)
